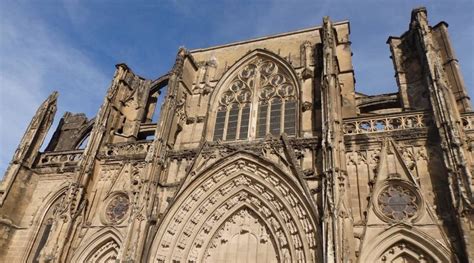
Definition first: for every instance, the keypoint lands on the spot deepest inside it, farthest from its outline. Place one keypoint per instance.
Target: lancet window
(44, 230)
(262, 95)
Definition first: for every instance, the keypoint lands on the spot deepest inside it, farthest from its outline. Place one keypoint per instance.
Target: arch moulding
(240, 186)
(375, 250)
(104, 243)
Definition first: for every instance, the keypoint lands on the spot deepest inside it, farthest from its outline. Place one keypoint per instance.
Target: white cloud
(35, 60)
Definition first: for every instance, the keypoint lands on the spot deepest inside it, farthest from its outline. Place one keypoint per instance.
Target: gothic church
(255, 151)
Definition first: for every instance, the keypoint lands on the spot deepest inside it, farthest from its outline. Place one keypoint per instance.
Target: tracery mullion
(289, 123)
(239, 121)
(226, 122)
(267, 124)
(267, 107)
(256, 107)
(275, 116)
(232, 122)
(244, 122)
(220, 124)
(262, 119)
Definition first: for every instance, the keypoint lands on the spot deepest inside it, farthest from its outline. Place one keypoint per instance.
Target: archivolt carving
(400, 243)
(103, 246)
(403, 252)
(108, 253)
(189, 231)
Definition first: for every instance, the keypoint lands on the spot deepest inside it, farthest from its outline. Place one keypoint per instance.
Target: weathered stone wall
(362, 178)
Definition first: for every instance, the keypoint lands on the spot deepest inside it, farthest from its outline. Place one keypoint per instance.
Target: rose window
(117, 208)
(398, 202)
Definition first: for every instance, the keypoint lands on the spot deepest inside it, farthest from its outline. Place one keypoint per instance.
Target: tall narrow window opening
(156, 99)
(44, 230)
(220, 123)
(244, 122)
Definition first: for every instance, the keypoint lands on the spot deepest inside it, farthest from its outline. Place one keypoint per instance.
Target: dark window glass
(275, 117)
(262, 120)
(220, 121)
(290, 117)
(244, 122)
(232, 123)
(44, 238)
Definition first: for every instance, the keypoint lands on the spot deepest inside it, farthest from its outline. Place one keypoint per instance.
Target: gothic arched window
(261, 95)
(45, 229)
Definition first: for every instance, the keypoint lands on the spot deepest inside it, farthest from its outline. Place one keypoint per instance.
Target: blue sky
(72, 46)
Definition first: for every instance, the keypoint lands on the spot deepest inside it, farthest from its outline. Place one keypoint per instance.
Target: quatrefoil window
(398, 202)
(260, 85)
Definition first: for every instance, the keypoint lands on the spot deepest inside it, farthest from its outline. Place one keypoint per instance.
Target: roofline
(304, 30)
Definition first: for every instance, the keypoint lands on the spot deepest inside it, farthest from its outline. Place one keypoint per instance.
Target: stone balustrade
(386, 123)
(65, 158)
(127, 149)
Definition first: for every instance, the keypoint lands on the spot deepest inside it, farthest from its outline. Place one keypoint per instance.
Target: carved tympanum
(242, 238)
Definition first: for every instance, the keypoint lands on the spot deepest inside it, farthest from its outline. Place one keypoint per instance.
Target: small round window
(117, 208)
(398, 202)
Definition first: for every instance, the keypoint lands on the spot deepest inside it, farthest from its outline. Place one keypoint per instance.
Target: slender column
(336, 219)
(144, 211)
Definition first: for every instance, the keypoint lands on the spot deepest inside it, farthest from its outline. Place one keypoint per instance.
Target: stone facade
(262, 152)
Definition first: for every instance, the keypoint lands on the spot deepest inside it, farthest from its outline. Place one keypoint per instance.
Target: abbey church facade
(255, 151)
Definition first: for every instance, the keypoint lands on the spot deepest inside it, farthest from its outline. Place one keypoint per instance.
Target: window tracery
(260, 85)
(397, 202)
(45, 229)
(117, 208)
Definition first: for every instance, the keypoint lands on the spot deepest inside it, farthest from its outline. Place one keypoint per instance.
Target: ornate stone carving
(247, 230)
(105, 254)
(307, 106)
(285, 215)
(69, 158)
(126, 149)
(397, 202)
(405, 252)
(386, 123)
(117, 208)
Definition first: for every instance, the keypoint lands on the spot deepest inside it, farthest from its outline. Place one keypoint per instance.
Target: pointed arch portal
(241, 208)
